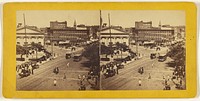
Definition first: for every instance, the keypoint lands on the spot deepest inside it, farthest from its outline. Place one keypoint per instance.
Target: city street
(43, 77)
(151, 79)
(133, 54)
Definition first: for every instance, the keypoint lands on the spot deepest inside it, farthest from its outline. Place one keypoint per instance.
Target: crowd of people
(27, 68)
(112, 68)
(178, 76)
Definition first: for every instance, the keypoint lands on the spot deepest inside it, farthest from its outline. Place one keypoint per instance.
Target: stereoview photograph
(100, 50)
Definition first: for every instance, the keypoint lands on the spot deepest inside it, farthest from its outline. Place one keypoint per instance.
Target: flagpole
(100, 50)
(25, 28)
(109, 26)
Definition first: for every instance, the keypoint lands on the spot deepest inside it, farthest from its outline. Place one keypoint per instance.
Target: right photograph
(142, 50)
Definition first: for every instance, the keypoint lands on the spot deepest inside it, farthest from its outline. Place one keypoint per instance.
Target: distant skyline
(124, 18)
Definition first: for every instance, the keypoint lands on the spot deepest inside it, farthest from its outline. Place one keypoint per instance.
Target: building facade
(143, 25)
(157, 35)
(29, 34)
(179, 32)
(145, 32)
(111, 36)
(59, 32)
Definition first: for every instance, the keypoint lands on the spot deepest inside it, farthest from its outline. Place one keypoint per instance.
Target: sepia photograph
(143, 50)
(57, 50)
(100, 50)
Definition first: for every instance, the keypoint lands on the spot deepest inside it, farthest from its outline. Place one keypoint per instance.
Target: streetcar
(162, 57)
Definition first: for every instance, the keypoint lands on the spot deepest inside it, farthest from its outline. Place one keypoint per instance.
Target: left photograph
(57, 50)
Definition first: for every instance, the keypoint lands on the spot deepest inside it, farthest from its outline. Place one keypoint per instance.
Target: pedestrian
(149, 76)
(142, 70)
(79, 76)
(54, 82)
(32, 70)
(181, 82)
(152, 65)
(57, 70)
(64, 77)
(140, 82)
(168, 78)
(115, 69)
(163, 77)
(83, 78)
(183, 74)
(68, 65)
(166, 83)
(82, 86)
(139, 70)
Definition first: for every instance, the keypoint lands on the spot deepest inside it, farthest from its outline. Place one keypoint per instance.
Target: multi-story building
(179, 32)
(58, 25)
(144, 31)
(157, 35)
(29, 34)
(143, 25)
(111, 36)
(60, 32)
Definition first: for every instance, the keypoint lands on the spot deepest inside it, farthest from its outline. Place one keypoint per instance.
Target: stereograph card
(99, 50)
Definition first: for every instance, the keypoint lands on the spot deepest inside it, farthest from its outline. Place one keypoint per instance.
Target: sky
(124, 18)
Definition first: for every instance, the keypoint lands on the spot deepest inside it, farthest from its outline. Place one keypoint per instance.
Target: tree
(21, 50)
(121, 46)
(177, 53)
(106, 50)
(36, 47)
(92, 53)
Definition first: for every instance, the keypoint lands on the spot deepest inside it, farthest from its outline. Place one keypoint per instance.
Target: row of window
(114, 38)
(70, 34)
(158, 35)
(145, 38)
(67, 32)
(111, 43)
(83, 37)
(155, 32)
(21, 37)
(27, 43)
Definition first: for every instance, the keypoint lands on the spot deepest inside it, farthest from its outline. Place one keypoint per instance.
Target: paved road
(44, 76)
(128, 78)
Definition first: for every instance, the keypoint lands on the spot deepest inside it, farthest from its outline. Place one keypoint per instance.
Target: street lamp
(51, 37)
(136, 41)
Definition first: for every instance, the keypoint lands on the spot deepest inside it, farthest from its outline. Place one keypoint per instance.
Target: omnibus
(77, 57)
(68, 54)
(162, 57)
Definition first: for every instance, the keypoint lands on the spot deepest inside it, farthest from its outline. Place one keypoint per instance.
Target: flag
(19, 25)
